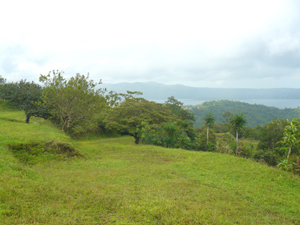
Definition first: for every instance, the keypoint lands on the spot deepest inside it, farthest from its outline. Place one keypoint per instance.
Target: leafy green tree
(269, 135)
(185, 118)
(127, 118)
(2, 80)
(200, 142)
(176, 108)
(168, 135)
(250, 133)
(209, 122)
(237, 122)
(24, 95)
(114, 99)
(74, 103)
(290, 137)
(226, 121)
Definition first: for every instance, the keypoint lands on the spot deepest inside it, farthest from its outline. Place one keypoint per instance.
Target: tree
(237, 122)
(176, 107)
(2, 80)
(2, 83)
(114, 99)
(127, 118)
(185, 118)
(168, 135)
(209, 122)
(226, 120)
(200, 142)
(269, 135)
(74, 103)
(24, 95)
(290, 137)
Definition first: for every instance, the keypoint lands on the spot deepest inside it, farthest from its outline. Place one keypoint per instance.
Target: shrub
(267, 156)
(285, 165)
(245, 152)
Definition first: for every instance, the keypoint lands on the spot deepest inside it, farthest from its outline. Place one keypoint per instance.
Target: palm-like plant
(289, 137)
(209, 122)
(237, 121)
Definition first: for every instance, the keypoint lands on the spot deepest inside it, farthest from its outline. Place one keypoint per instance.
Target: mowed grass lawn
(118, 182)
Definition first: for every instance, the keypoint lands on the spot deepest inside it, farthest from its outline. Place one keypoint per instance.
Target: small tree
(237, 122)
(209, 122)
(73, 103)
(127, 118)
(200, 142)
(176, 107)
(290, 137)
(24, 95)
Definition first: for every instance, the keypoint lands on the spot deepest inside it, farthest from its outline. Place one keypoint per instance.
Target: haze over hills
(254, 114)
(153, 90)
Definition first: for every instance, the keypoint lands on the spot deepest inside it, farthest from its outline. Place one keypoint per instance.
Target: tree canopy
(209, 122)
(73, 103)
(290, 136)
(24, 95)
(237, 122)
(176, 108)
(127, 118)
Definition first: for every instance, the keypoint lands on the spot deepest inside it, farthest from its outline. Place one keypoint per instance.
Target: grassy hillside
(255, 114)
(116, 181)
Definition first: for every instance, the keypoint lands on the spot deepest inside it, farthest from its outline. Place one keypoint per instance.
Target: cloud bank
(247, 44)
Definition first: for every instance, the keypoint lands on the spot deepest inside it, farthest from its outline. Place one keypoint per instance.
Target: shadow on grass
(33, 153)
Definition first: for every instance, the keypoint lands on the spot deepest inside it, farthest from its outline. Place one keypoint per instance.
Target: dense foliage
(127, 118)
(24, 95)
(73, 104)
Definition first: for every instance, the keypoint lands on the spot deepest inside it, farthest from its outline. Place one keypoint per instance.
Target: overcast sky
(215, 43)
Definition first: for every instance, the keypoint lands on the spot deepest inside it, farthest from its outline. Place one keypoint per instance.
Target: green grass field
(118, 182)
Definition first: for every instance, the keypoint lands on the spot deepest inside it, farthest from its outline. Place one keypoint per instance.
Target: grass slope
(122, 183)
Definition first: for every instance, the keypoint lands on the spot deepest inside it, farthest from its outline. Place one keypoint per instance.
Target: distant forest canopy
(153, 90)
(254, 114)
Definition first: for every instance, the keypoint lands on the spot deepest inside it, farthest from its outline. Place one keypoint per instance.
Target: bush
(168, 135)
(285, 165)
(267, 156)
(246, 152)
(201, 139)
(223, 147)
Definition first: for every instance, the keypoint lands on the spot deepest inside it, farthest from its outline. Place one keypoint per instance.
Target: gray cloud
(206, 55)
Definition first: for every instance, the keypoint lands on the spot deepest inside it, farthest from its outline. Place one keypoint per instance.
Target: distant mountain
(254, 114)
(157, 91)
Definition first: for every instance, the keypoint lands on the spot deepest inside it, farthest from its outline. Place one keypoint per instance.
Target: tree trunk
(236, 142)
(65, 124)
(137, 140)
(290, 149)
(27, 118)
(207, 130)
